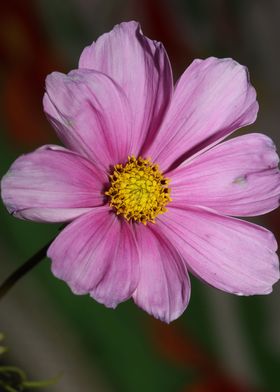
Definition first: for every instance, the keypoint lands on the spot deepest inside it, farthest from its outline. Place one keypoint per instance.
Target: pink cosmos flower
(148, 190)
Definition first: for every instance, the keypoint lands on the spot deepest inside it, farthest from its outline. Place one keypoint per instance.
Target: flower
(145, 179)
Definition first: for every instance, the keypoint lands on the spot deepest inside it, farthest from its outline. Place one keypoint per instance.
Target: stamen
(138, 191)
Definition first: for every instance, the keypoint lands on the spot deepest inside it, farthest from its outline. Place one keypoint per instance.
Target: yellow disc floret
(138, 190)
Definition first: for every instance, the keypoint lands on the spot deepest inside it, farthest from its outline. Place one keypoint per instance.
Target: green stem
(43, 383)
(7, 388)
(23, 269)
(13, 369)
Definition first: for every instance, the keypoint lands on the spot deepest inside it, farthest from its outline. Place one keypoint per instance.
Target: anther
(138, 190)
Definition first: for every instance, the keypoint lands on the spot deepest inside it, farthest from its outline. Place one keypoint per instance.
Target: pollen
(139, 191)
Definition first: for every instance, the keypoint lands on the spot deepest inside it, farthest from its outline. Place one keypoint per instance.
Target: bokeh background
(221, 343)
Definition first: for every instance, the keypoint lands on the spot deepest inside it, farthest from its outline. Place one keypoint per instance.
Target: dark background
(221, 343)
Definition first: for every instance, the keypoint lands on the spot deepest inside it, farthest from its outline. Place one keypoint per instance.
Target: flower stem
(23, 269)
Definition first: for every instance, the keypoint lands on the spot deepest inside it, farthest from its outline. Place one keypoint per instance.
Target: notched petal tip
(97, 255)
(164, 289)
(39, 186)
(232, 255)
(239, 177)
(212, 99)
(141, 67)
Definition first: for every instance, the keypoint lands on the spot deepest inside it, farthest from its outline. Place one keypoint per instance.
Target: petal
(212, 99)
(230, 254)
(237, 177)
(164, 286)
(141, 67)
(91, 115)
(97, 254)
(52, 184)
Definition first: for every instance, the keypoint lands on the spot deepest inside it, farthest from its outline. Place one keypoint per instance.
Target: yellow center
(138, 190)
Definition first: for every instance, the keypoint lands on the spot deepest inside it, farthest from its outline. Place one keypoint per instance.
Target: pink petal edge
(97, 254)
(91, 115)
(230, 254)
(52, 184)
(238, 177)
(142, 69)
(212, 99)
(164, 286)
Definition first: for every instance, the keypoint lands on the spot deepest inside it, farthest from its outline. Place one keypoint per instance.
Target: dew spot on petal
(241, 180)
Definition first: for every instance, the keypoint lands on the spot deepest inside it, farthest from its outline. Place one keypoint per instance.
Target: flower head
(148, 186)
(138, 190)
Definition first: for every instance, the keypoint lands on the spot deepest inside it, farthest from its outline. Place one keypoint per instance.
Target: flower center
(138, 190)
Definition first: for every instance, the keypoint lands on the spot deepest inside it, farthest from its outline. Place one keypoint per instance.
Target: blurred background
(221, 343)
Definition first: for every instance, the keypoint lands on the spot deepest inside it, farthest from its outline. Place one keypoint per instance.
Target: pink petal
(230, 254)
(212, 99)
(237, 177)
(141, 67)
(52, 184)
(97, 254)
(164, 286)
(91, 115)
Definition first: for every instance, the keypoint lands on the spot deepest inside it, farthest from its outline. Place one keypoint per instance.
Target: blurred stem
(7, 388)
(23, 269)
(13, 369)
(43, 383)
